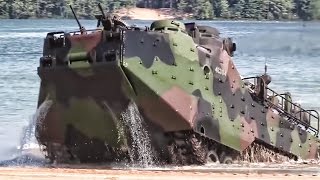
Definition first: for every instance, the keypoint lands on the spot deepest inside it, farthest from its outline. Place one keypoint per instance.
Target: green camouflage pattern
(182, 78)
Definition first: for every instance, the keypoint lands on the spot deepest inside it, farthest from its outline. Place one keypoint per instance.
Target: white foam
(141, 145)
(29, 146)
(28, 141)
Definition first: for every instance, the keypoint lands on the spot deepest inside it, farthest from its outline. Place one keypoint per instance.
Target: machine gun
(108, 22)
(81, 28)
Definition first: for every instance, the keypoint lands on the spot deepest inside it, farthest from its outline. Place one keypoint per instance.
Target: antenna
(81, 28)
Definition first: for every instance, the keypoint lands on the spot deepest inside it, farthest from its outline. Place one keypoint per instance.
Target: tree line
(199, 9)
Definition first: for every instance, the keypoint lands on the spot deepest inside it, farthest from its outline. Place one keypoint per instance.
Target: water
(291, 50)
(258, 153)
(140, 151)
(28, 140)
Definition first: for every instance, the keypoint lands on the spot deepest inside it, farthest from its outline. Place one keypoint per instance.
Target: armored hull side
(200, 84)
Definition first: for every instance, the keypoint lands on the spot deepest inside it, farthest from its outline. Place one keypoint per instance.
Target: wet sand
(72, 173)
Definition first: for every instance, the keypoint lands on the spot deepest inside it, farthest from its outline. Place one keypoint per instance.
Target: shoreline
(188, 20)
(164, 13)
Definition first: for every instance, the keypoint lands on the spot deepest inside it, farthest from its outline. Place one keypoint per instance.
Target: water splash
(29, 152)
(27, 140)
(259, 153)
(140, 151)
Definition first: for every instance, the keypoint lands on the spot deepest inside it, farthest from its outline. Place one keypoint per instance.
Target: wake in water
(140, 151)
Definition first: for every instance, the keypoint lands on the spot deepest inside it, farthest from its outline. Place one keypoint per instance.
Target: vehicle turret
(167, 25)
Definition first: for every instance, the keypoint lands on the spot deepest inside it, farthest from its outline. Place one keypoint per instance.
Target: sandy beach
(149, 14)
(69, 173)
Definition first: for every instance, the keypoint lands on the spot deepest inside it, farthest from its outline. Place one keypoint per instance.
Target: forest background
(197, 9)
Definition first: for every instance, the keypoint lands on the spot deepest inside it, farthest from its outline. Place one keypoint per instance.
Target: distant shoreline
(165, 13)
(208, 20)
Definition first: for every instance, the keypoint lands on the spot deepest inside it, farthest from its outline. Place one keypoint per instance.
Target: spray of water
(29, 131)
(258, 153)
(140, 151)
(29, 151)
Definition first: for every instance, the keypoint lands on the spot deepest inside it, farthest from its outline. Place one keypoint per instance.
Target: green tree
(185, 6)
(237, 8)
(204, 10)
(282, 9)
(4, 9)
(201, 9)
(303, 9)
(224, 8)
(315, 9)
(23, 9)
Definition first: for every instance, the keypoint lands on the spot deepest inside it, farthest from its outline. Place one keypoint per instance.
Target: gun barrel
(75, 16)
(102, 12)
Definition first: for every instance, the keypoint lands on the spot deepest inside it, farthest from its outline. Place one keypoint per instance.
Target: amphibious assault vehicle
(167, 93)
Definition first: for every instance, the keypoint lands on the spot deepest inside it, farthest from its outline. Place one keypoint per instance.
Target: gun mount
(109, 22)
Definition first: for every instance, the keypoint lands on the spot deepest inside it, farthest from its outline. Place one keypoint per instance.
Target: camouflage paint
(181, 76)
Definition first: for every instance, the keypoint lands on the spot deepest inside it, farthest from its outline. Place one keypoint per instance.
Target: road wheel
(212, 157)
(225, 159)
